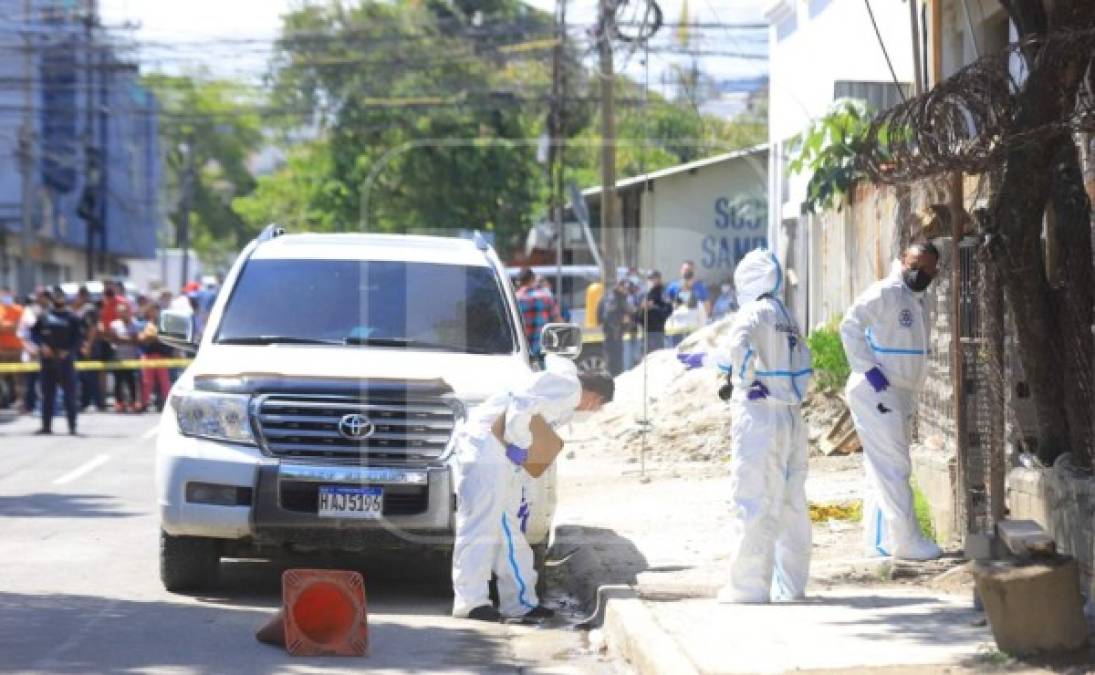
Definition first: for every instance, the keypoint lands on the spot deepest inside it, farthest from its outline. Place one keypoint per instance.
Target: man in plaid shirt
(538, 308)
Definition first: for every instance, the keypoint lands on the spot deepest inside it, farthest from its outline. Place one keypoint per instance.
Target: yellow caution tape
(123, 364)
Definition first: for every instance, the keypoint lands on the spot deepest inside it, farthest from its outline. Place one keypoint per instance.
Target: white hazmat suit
(489, 486)
(887, 328)
(770, 524)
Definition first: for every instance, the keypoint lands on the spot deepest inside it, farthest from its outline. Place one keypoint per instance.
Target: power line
(885, 53)
(499, 100)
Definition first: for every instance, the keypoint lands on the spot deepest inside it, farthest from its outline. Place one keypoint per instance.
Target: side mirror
(177, 330)
(563, 339)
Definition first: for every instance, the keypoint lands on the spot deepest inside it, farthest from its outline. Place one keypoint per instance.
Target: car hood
(472, 377)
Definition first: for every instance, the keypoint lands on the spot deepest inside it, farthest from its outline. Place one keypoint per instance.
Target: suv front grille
(405, 431)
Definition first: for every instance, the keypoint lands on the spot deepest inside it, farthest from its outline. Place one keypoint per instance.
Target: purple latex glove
(516, 454)
(877, 379)
(757, 391)
(692, 361)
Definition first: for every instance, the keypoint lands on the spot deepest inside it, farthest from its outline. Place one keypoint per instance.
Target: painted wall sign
(740, 226)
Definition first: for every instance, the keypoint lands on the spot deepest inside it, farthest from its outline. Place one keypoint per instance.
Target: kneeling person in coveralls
(492, 447)
(769, 368)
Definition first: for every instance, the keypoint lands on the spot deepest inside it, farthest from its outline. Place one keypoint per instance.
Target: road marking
(151, 433)
(85, 468)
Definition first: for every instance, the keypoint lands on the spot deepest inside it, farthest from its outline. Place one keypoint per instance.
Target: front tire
(188, 563)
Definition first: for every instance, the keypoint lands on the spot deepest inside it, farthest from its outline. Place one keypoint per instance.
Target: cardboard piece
(841, 439)
(546, 444)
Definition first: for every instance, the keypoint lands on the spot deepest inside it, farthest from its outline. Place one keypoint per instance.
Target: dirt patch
(670, 414)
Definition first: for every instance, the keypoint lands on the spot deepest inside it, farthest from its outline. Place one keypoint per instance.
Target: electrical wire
(885, 53)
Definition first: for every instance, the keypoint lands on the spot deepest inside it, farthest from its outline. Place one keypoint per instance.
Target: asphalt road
(80, 589)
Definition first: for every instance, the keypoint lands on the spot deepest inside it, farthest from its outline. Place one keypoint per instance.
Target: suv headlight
(219, 417)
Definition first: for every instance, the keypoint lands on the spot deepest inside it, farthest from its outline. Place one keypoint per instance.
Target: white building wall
(712, 215)
(991, 32)
(813, 44)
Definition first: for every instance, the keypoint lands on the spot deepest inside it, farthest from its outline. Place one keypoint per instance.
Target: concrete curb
(630, 630)
(632, 633)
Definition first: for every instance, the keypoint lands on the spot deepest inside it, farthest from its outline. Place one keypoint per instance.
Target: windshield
(389, 304)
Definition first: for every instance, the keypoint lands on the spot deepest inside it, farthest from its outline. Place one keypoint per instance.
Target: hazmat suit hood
(758, 273)
(566, 392)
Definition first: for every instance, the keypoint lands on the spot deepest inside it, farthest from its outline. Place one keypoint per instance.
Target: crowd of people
(114, 328)
(638, 314)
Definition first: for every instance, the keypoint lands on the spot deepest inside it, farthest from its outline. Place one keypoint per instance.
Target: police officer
(59, 335)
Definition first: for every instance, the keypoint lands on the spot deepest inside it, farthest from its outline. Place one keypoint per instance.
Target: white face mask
(726, 288)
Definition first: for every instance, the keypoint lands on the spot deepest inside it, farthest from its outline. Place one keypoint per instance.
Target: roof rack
(271, 231)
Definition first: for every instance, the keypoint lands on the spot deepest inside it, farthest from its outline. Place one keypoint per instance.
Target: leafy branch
(828, 152)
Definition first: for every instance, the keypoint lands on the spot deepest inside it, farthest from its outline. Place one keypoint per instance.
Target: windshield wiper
(410, 343)
(274, 339)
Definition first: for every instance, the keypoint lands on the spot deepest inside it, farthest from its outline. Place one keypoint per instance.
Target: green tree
(424, 126)
(301, 195)
(829, 152)
(428, 114)
(217, 123)
(658, 134)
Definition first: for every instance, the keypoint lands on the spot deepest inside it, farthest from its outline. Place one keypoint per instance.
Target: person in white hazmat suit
(768, 365)
(885, 335)
(489, 480)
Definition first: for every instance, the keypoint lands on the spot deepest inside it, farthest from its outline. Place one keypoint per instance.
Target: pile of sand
(685, 420)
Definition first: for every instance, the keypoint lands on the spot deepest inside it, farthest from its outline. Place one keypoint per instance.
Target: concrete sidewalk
(658, 541)
(838, 629)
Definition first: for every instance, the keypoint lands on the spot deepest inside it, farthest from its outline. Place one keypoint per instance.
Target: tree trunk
(1053, 326)
(1073, 300)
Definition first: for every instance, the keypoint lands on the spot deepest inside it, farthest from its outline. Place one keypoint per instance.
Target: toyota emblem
(356, 426)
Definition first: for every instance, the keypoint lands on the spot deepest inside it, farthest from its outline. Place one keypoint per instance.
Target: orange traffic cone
(322, 614)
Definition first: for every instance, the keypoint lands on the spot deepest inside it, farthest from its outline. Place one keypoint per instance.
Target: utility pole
(102, 155)
(914, 26)
(609, 213)
(187, 186)
(92, 170)
(26, 159)
(558, 139)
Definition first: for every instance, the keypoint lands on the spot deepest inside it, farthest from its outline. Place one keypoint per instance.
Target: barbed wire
(968, 122)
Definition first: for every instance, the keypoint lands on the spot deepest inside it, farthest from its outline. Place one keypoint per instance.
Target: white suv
(319, 409)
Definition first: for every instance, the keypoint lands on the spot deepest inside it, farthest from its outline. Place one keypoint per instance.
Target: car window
(450, 307)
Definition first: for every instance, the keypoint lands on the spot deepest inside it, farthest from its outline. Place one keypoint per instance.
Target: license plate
(351, 502)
